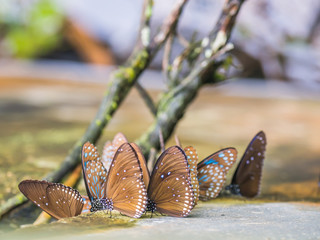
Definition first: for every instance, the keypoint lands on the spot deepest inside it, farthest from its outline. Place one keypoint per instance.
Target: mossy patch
(83, 224)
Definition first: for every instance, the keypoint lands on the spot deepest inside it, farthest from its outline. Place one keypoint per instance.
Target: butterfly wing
(40, 193)
(107, 154)
(95, 175)
(125, 185)
(249, 171)
(86, 205)
(143, 164)
(119, 139)
(66, 201)
(212, 172)
(170, 184)
(192, 157)
(110, 149)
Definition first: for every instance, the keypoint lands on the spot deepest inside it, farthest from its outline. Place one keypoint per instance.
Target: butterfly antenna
(161, 140)
(176, 138)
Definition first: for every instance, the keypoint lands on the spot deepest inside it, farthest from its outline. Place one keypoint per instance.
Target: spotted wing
(143, 164)
(170, 184)
(95, 175)
(66, 201)
(212, 172)
(192, 157)
(249, 171)
(41, 194)
(119, 139)
(107, 154)
(110, 149)
(86, 205)
(125, 186)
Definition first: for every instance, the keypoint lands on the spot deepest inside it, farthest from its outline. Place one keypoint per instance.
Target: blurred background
(56, 57)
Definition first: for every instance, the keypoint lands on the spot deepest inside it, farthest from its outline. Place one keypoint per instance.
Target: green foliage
(32, 32)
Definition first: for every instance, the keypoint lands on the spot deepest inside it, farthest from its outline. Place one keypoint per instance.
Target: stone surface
(214, 220)
(219, 221)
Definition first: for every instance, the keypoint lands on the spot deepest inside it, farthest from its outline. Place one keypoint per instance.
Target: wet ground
(40, 120)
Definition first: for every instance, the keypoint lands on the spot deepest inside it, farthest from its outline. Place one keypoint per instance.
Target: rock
(218, 219)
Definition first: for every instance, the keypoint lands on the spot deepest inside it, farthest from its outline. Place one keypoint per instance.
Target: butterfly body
(101, 204)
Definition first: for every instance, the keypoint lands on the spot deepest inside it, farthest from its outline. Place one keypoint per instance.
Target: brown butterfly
(123, 189)
(192, 157)
(247, 177)
(56, 199)
(110, 149)
(170, 191)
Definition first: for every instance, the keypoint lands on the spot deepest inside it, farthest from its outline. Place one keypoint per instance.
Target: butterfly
(109, 151)
(86, 205)
(192, 158)
(212, 172)
(110, 148)
(143, 164)
(123, 189)
(169, 190)
(95, 176)
(56, 199)
(247, 177)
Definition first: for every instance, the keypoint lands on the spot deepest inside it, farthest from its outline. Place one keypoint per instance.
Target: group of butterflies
(120, 180)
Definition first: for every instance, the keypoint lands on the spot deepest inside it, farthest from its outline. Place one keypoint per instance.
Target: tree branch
(147, 99)
(121, 82)
(173, 104)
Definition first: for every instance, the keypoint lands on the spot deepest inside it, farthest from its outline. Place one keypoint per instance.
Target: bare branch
(173, 104)
(184, 42)
(167, 56)
(176, 138)
(151, 159)
(147, 99)
(169, 25)
(145, 32)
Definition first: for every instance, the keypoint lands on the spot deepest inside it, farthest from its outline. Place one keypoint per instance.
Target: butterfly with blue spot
(247, 177)
(86, 205)
(122, 189)
(95, 175)
(212, 172)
